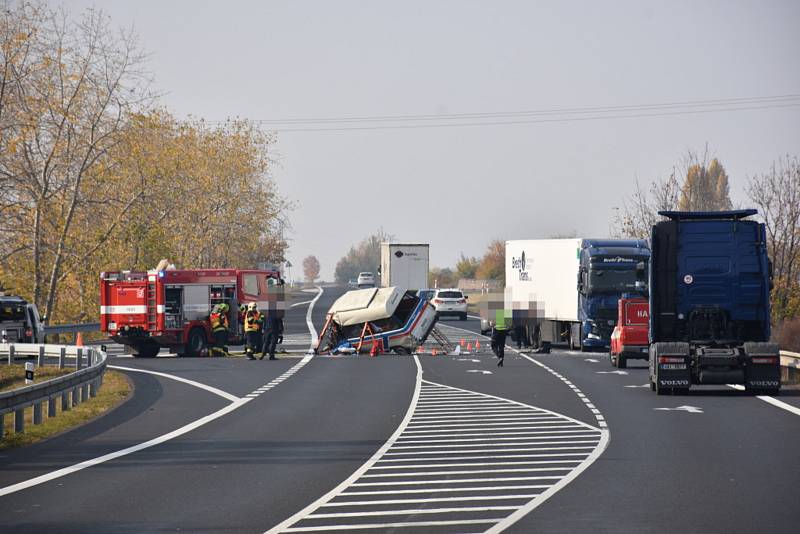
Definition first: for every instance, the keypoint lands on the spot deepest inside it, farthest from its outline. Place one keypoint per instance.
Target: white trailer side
(405, 265)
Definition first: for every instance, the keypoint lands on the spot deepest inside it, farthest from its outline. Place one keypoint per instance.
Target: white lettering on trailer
(109, 310)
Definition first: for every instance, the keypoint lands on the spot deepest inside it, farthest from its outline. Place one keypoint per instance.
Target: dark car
(20, 321)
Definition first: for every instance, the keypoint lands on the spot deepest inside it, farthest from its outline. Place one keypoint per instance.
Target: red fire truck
(170, 308)
(629, 340)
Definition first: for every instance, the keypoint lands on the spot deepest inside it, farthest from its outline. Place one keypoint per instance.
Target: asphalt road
(554, 442)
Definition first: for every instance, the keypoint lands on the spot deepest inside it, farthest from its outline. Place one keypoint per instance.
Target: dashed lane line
(470, 476)
(235, 404)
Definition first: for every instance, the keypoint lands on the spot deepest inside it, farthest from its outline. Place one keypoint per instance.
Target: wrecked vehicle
(376, 319)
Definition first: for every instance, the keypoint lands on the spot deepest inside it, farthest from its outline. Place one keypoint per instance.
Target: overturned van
(388, 318)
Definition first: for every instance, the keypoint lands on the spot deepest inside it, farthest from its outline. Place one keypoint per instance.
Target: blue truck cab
(608, 269)
(709, 284)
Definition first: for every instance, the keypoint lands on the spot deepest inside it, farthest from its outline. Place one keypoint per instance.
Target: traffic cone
(433, 352)
(469, 346)
(477, 344)
(79, 340)
(462, 342)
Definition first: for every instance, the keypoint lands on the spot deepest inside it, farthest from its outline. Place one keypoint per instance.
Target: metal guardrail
(73, 388)
(790, 359)
(71, 328)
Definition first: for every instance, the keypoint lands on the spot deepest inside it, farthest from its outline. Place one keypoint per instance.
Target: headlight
(593, 336)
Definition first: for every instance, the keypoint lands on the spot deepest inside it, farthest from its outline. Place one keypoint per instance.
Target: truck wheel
(622, 361)
(612, 359)
(196, 342)
(145, 351)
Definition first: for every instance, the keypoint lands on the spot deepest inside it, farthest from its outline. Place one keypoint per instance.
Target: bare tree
(776, 194)
(639, 212)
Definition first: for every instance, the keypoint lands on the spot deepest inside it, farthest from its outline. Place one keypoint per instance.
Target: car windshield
(12, 312)
(612, 280)
(451, 294)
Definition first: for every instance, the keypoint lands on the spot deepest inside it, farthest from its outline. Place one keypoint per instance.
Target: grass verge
(13, 376)
(116, 388)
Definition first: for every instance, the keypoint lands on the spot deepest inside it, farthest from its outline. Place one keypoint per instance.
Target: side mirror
(466, 297)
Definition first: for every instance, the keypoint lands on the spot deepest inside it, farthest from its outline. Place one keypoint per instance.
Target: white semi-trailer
(566, 290)
(405, 265)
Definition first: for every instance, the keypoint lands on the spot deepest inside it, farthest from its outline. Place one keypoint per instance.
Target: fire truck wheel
(145, 351)
(196, 342)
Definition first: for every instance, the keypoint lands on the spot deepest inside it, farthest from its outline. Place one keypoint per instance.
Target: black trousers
(221, 340)
(271, 334)
(252, 340)
(499, 342)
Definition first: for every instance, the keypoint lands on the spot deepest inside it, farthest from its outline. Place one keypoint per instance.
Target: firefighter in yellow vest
(219, 327)
(252, 327)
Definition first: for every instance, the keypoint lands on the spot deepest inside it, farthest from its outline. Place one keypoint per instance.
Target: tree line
(96, 176)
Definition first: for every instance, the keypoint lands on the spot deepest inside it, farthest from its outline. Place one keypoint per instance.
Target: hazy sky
(459, 187)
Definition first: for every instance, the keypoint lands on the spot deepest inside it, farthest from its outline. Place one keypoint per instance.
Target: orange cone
(79, 340)
(462, 341)
(469, 346)
(433, 352)
(477, 344)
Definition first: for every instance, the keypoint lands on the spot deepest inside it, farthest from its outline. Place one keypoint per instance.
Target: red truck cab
(630, 337)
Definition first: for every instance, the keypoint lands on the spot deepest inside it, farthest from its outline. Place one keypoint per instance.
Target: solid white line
(302, 514)
(469, 472)
(414, 512)
(772, 400)
(310, 323)
(779, 404)
(394, 525)
(301, 303)
(477, 464)
(111, 456)
(210, 389)
(470, 451)
(440, 499)
(135, 448)
(443, 490)
(453, 481)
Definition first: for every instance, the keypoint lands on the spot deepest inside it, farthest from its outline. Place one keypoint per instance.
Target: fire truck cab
(629, 339)
(146, 311)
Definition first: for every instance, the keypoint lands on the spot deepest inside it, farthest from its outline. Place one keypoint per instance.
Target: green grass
(13, 376)
(116, 388)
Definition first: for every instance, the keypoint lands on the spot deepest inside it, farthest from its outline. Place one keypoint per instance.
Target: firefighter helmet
(252, 306)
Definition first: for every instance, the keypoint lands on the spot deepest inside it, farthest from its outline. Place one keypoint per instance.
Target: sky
(459, 187)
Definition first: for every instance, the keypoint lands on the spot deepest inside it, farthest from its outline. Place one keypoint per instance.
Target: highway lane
(312, 429)
(731, 468)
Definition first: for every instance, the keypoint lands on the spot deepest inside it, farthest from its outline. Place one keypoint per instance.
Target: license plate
(673, 366)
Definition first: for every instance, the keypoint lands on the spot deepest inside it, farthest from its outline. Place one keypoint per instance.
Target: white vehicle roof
(449, 289)
(363, 305)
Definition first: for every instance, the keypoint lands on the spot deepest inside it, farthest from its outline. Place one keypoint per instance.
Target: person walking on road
(499, 333)
(219, 328)
(252, 326)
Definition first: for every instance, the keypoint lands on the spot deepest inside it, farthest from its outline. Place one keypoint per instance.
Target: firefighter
(219, 327)
(499, 333)
(252, 326)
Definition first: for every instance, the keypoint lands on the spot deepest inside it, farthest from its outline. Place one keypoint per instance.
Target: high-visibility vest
(252, 321)
(218, 322)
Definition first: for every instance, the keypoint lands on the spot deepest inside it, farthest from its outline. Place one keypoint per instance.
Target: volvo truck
(710, 280)
(566, 290)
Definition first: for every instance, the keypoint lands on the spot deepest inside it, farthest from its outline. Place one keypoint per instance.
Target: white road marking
(301, 303)
(611, 372)
(413, 511)
(310, 323)
(771, 400)
(225, 395)
(439, 499)
(234, 405)
(642, 386)
(445, 490)
(479, 371)
(468, 360)
(592, 360)
(688, 409)
(394, 525)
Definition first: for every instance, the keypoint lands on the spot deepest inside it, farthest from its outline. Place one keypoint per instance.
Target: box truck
(710, 281)
(404, 265)
(566, 290)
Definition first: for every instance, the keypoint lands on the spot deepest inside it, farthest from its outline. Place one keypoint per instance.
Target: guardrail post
(93, 388)
(62, 356)
(2, 425)
(75, 397)
(10, 354)
(65, 404)
(79, 359)
(40, 363)
(51, 407)
(19, 420)
(37, 413)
